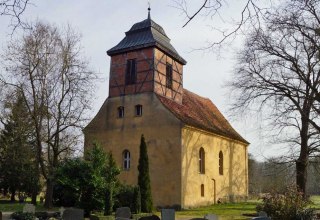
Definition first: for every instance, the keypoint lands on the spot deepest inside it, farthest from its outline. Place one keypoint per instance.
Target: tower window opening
(120, 112)
(138, 110)
(169, 76)
(131, 72)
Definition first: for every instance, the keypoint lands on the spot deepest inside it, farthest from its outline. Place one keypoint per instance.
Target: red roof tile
(201, 113)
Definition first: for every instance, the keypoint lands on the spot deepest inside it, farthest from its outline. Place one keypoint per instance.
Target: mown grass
(7, 206)
(233, 211)
(228, 210)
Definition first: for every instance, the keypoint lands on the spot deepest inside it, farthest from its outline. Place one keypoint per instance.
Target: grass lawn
(7, 206)
(230, 211)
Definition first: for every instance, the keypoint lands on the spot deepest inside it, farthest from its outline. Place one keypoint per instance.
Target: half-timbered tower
(195, 156)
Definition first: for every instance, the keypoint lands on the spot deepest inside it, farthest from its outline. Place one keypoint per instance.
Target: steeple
(146, 33)
(145, 61)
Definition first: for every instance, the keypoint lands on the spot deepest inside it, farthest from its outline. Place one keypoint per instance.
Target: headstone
(123, 212)
(261, 218)
(167, 214)
(73, 214)
(211, 217)
(61, 210)
(94, 217)
(29, 208)
(262, 214)
(151, 217)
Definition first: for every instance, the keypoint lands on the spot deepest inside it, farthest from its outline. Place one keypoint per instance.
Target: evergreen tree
(18, 167)
(144, 178)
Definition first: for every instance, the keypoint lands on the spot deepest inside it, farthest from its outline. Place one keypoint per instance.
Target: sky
(103, 24)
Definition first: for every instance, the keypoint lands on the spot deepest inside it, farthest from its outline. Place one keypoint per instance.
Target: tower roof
(146, 33)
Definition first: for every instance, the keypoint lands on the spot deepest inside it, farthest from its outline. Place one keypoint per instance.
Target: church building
(195, 156)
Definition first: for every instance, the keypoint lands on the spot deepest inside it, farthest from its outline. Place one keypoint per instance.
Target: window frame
(202, 161)
(202, 190)
(169, 75)
(126, 159)
(220, 163)
(131, 72)
(138, 110)
(120, 111)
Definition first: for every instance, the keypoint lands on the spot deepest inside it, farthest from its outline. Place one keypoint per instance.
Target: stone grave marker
(151, 217)
(61, 210)
(167, 214)
(262, 214)
(123, 212)
(73, 214)
(29, 208)
(261, 218)
(211, 217)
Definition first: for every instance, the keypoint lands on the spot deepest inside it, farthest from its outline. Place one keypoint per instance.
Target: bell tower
(145, 61)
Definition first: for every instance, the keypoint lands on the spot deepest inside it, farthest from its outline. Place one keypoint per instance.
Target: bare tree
(47, 66)
(249, 16)
(279, 73)
(14, 9)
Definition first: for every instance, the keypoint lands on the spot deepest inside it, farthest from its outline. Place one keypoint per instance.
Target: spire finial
(149, 9)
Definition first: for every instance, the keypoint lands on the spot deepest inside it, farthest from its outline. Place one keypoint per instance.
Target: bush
(128, 196)
(22, 216)
(288, 206)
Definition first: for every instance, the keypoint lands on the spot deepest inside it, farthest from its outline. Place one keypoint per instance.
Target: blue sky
(103, 24)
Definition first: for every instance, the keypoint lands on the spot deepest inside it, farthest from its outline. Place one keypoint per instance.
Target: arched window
(201, 161)
(138, 110)
(120, 112)
(221, 163)
(202, 190)
(126, 159)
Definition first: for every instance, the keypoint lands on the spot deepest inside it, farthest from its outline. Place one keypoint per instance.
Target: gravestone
(29, 208)
(123, 212)
(262, 214)
(167, 214)
(151, 217)
(61, 210)
(261, 218)
(211, 217)
(73, 214)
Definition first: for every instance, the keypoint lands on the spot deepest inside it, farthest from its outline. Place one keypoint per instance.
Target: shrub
(22, 216)
(288, 206)
(128, 196)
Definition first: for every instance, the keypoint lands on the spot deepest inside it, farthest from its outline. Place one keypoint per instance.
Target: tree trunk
(302, 162)
(13, 196)
(34, 197)
(301, 176)
(49, 194)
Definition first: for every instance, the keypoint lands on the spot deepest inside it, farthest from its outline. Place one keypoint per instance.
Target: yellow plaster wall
(162, 132)
(233, 182)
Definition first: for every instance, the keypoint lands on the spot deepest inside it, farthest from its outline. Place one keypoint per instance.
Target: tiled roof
(200, 112)
(146, 33)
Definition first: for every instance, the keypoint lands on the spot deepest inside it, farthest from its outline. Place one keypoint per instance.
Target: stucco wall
(232, 183)
(162, 132)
